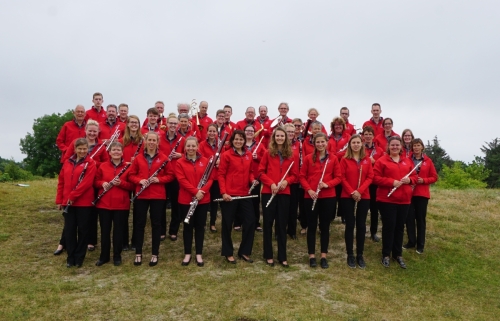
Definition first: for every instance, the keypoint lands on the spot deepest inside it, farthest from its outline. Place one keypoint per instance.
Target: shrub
(458, 177)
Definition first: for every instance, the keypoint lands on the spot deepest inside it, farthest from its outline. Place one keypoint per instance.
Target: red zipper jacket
(130, 149)
(97, 116)
(204, 121)
(349, 128)
(189, 175)
(83, 195)
(106, 130)
(335, 147)
(307, 146)
(311, 172)
(386, 171)
(146, 129)
(68, 133)
(166, 147)
(350, 177)
(271, 171)
(382, 140)
(100, 157)
(140, 170)
(266, 131)
(206, 150)
(374, 151)
(428, 173)
(118, 197)
(378, 128)
(260, 153)
(235, 173)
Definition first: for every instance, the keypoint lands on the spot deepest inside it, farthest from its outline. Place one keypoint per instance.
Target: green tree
(456, 177)
(437, 154)
(492, 162)
(42, 155)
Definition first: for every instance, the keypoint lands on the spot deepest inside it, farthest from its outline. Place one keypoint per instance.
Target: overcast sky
(433, 65)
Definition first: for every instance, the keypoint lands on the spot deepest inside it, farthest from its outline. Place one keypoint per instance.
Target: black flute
(82, 175)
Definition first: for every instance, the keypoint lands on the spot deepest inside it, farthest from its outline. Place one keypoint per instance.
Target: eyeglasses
(297, 126)
(172, 123)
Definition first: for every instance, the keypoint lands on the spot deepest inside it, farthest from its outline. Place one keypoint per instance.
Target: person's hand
(356, 196)
(116, 181)
(144, 182)
(154, 180)
(323, 185)
(227, 197)
(199, 195)
(106, 185)
(283, 185)
(397, 183)
(406, 180)
(420, 180)
(274, 188)
(313, 194)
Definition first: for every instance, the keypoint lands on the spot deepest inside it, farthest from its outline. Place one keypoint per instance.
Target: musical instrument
(320, 180)
(255, 183)
(344, 148)
(235, 198)
(279, 184)
(204, 178)
(156, 172)
(80, 179)
(258, 132)
(407, 175)
(277, 121)
(306, 129)
(359, 183)
(194, 108)
(258, 145)
(162, 125)
(111, 183)
(300, 154)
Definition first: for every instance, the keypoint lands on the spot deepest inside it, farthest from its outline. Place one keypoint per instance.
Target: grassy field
(457, 278)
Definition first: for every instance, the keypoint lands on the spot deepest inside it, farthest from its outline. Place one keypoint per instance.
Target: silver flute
(320, 180)
(279, 184)
(235, 198)
(407, 175)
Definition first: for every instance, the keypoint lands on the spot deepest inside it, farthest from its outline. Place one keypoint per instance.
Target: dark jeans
(393, 220)
(373, 209)
(358, 220)
(172, 189)
(244, 209)
(417, 213)
(214, 206)
(156, 207)
(197, 223)
(323, 212)
(115, 219)
(76, 231)
(278, 211)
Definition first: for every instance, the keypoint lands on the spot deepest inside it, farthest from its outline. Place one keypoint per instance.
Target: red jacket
(271, 172)
(235, 173)
(162, 122)
(382, 140)
(100, 157)
(97, 116)
(311, 172)
(378, 128)
(374, 151)
(266, 130)
(130, 149)
(307, 146)
(350, 177)
(68, 133)
(145, 129)
(166, 147)
(335, 146)
(83, 195)
(118, 197)
(106, 130)
(349, 128)
(408, 153)
(386, 171)
(428, 173)
(297, 151)
(206, 150)
(140, 170)
(260, 153)
(189, 175)
(204, 121)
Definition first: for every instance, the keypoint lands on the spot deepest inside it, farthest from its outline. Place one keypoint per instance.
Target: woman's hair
(115, 144)
(92, 122)
(316, 123)
(286, 150)
(183, 115)
(127, 139)
(339, 120)
(318, 135)
(152, 133)
(349, 153)
(389, 143)
(289, 125)
(417, 141)
(80, 142)
(312, 109)
(190, 138)
(214, 125)
(233, 136)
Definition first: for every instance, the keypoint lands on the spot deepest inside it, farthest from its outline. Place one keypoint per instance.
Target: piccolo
(279, 184)
(110, 187)
(359, 183)
(407, 175)
(318, 189)
(80, 179)
(235, 198)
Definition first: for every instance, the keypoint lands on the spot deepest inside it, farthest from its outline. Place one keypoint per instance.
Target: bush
(4, 177)
(458, 177)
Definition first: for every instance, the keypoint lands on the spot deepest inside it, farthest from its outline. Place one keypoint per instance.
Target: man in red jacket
(123, 112)
(72, 129)
(204, 120)
(349, 128)
(376, 121)
(264, 120)
(110, 125)
(96, 112)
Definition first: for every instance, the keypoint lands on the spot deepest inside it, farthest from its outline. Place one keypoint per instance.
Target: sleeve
(344, 170)
(124, 182)
(167, 174)
(433, 176)
(263, 168)
(368, 178)
(98, 181)
(133, 174)
(293, 173)
(60, 186)
(336, 173)
(86, 183)
(61, 138)
(70, 150)
(183, 180)
(304, 174)
(379, 177)
(222, 173)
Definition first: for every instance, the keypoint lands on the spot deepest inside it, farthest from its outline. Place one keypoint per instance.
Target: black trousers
(417, 214)
(358, 220)
(156, 208)
(373, 209)
(76, 232)
(302, 210)
(93, 222)
(323, 212)
(172, 189)
(112, 219)
(337, 209)
(196, 223)
(214, 206)
(292, 209)
(244, 209)
(256, 204)
(278, 210)
(393, 220)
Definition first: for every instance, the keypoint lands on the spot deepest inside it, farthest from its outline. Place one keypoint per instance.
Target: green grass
(456, 279)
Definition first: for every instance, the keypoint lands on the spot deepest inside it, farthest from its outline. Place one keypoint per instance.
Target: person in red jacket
(152, 122)
(319, 191)
(189, 171)
(349, 128)
(382, 139)
(265, 123)
(122, 113)
(250, 120)
(161, 119)
(111, 124)
(208, 148)
(308, 143)
(313, 114)
(426, 175)
(283, 110)
(376, 122)
(114, 206)
(71, 130)
(153, 196)
(235, 177)
(201, 120)
(407, 139)
(275, 184)
(373, 152)
(393, 179)
(74, 188)
(96, 112)
(222, 127)
(186, 128)
(357, 175)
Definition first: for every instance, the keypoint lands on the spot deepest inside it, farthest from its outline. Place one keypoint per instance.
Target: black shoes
(99, 262)
(408, 246)
(69, 265)
(351, 262)
(154, 260)
(213, 229)
(361, 261)
(91, 248)
(162, 238)
(125, 248)
(271, 264)
(138, 259)
(323, 263)
(312, 262)
(293, 237)
(400, 261)
(58, 252)
(385, 261)
(245, 258)
(284, 264)
(420, 251)
(186, 263)
(230, 261)
(200, 263)
(117, 262)
(375, 238)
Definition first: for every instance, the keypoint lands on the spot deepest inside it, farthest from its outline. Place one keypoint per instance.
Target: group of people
(290, 169)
